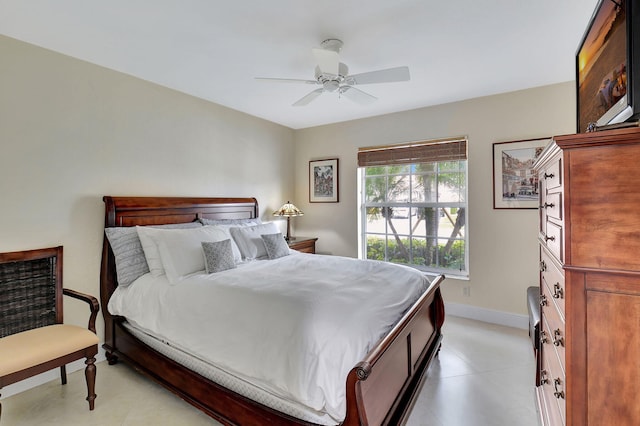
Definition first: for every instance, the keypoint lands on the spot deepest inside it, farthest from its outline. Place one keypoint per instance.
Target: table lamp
(288, 210)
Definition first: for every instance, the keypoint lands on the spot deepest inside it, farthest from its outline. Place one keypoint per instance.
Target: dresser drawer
(552, 377)
(553, 278)
(552, 205)
(552, 174)
(547, 407)
(552, 239)
(542, 212)
(556, 336)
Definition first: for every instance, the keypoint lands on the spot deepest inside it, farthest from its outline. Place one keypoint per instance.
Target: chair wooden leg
(90, 375)
(63, 374)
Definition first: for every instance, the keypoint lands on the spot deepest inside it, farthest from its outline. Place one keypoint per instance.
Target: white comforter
(293, 326)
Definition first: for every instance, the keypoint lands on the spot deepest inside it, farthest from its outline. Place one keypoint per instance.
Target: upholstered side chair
(33, 337)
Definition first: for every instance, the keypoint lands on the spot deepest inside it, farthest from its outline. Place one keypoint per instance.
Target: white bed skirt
(229, 381)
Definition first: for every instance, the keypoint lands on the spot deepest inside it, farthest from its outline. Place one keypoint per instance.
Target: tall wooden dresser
(589, 239)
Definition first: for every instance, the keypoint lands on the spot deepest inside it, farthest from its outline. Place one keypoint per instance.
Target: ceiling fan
(334, 76)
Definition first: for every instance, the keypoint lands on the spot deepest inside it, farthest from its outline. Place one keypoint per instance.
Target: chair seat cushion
(34, 347)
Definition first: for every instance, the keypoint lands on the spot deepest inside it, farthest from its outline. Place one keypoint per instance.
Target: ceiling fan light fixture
(333, 76)
(331, 85)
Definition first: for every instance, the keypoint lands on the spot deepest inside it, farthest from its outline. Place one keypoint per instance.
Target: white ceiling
(213, 49)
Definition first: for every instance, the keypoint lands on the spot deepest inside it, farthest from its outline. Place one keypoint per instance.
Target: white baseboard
(487, 315)
(48, 376)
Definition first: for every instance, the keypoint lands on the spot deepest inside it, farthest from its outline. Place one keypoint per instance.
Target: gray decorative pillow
(185, 225)
(276, 245)
(218, 256)
(235, 222)
(127, 250)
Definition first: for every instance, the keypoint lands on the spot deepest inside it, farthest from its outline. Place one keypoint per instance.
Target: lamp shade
(288, 210)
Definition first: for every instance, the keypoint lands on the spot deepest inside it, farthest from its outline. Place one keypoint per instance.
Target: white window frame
(362, 220)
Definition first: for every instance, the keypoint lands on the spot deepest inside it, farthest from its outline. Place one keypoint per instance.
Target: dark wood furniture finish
(303, 244)
(31, 293)
(590, 279)
(380, 389)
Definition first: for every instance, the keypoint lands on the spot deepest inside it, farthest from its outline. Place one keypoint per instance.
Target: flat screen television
(607, 61)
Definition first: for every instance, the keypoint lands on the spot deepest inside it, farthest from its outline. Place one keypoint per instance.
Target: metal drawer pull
(543, 300)
(557, 337)
(549, 175)
(547, 206)
(543, 266)
(543, 378)
(551, 238)
(543, 337)
(558, 293)
(558, 394)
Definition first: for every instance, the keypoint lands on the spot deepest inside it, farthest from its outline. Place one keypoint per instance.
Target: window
(413, 203)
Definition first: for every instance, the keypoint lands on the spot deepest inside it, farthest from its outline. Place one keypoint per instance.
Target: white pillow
(150, 248)
(249, 239)
(129, 253)
(178, 252)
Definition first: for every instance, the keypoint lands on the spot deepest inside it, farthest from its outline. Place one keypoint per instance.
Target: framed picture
(515, 185)
(323, 181)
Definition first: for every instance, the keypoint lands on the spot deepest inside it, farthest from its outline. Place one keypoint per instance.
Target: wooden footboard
(380, 389)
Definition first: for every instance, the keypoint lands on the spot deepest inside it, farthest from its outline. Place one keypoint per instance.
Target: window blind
(412, 153)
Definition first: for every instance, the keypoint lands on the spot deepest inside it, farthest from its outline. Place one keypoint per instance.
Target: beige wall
(503, 256)
(71, 132)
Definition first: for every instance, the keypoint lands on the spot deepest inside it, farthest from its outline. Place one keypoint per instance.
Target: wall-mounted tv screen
(604, 66)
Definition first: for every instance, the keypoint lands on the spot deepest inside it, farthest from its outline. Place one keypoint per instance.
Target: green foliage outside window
(453, 258)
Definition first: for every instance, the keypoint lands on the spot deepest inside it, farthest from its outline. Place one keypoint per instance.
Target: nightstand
(303, 244)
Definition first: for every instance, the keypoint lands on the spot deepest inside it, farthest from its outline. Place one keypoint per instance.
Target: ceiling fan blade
(328, 60)
(389, 75)
(287, 80)
(357, 95)
(305, 100)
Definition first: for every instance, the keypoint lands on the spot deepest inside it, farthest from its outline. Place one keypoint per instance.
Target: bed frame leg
(112, 359)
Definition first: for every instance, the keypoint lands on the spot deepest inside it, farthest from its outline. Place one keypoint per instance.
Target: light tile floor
(482, 377)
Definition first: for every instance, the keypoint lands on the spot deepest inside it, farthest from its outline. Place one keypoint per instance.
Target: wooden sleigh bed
(379, 390)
